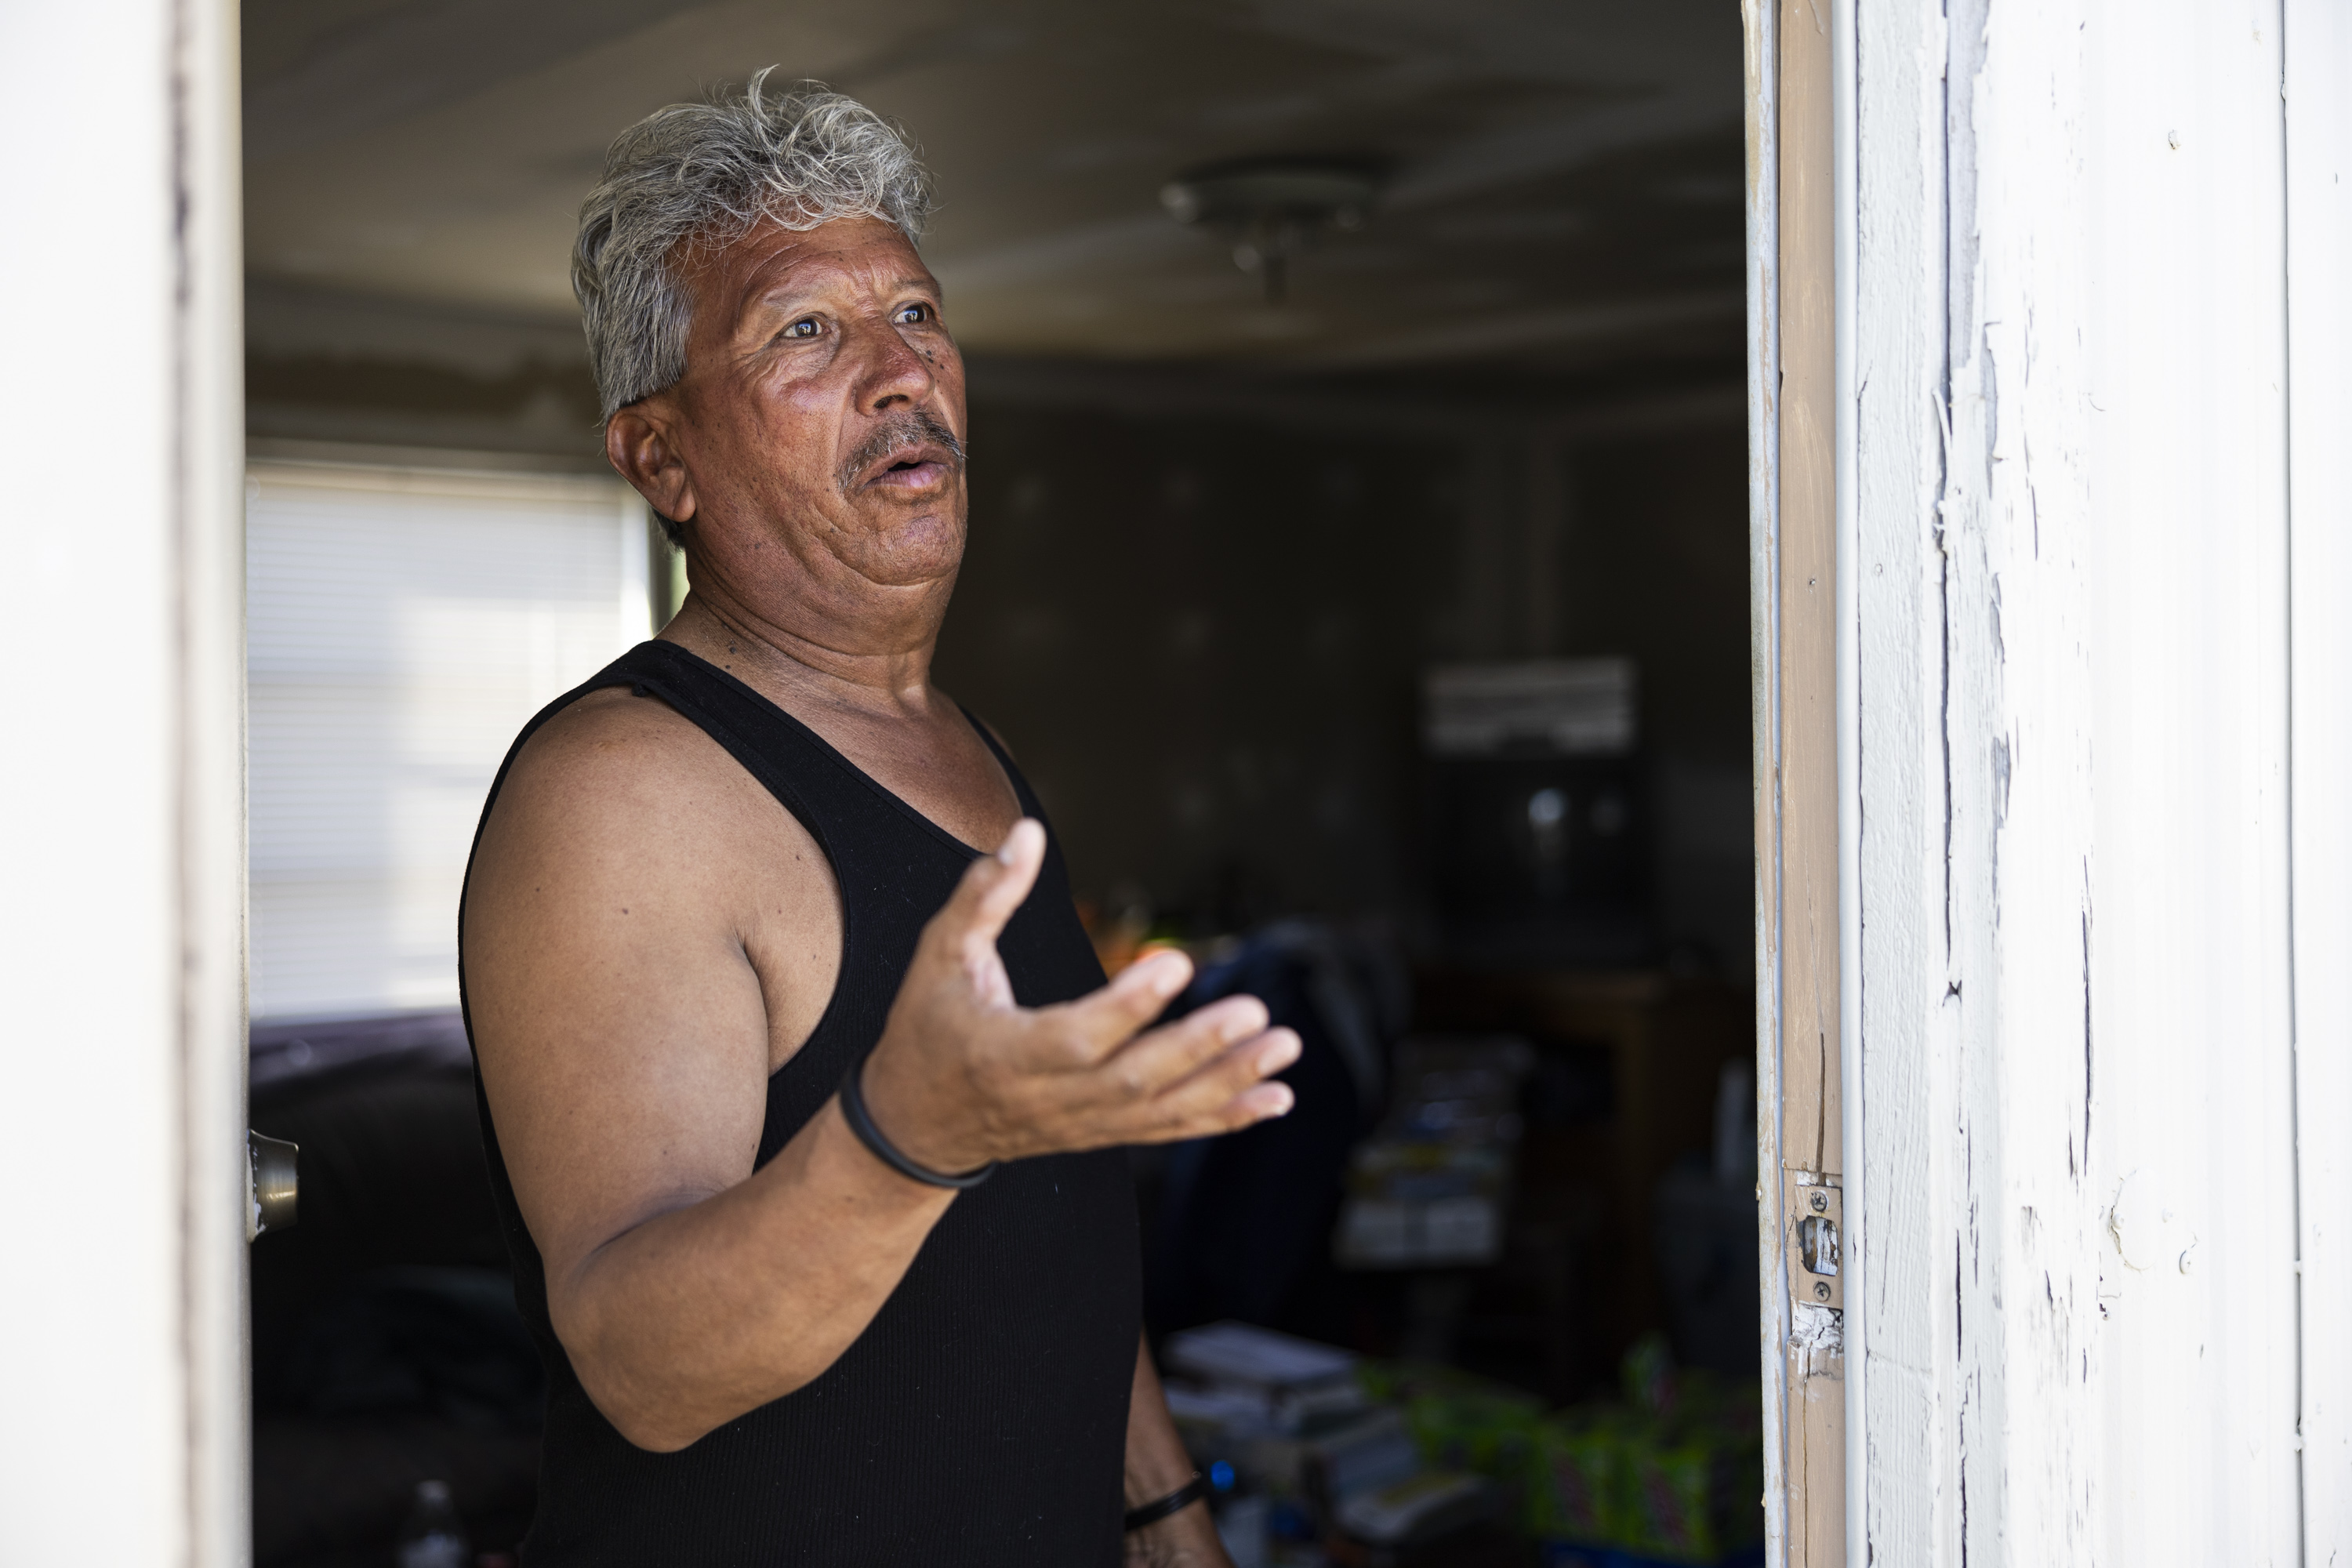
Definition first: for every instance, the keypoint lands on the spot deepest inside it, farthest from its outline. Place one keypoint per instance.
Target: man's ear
(637, 445)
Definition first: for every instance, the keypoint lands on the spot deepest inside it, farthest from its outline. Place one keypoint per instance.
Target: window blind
(401, 627)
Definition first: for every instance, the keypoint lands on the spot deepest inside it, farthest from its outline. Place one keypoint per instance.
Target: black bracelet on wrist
(1177, 1501)
(861, 1121)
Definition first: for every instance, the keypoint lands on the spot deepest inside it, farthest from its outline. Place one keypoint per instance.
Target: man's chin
(899, 551)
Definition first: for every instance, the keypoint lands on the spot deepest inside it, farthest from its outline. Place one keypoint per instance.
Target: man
(803, 1110)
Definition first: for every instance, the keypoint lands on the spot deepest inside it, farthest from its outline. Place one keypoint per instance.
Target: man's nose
(894, 372)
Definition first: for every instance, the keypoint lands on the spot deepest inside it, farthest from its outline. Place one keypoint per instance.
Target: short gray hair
(703, 174)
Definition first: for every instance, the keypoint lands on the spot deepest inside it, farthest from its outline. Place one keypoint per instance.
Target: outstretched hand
(964, 1075)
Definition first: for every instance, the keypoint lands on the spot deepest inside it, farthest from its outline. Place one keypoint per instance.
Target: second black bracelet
(1177, 1501)
(861, 1121)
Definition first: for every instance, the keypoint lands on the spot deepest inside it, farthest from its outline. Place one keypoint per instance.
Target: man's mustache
(897, 432)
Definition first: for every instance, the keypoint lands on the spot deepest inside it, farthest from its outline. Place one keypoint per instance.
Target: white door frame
(2050, 367)
(2318, 91)
(123, 1386)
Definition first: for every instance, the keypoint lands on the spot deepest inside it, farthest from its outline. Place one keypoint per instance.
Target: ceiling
(1564, 189)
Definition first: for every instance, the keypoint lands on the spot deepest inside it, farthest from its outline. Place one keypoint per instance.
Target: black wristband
(861, 1121)
(1177, 1501)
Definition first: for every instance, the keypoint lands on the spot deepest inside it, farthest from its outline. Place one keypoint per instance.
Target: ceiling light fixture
(1270, 209)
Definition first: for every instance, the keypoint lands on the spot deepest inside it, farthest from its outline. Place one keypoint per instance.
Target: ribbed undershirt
(981, 1419)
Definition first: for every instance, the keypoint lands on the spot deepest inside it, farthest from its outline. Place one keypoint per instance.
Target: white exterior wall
(122, 1384)
(2100, 385)
(2194, 1106)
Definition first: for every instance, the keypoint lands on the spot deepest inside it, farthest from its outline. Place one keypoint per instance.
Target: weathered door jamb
(1793, 197)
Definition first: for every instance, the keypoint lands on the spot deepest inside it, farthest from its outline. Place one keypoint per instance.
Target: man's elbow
(647, 1404)
(650, 1418)
(653, 1435)
(656, 1406)
(663, 1424)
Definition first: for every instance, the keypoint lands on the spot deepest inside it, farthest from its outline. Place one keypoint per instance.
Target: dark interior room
(1359, 569)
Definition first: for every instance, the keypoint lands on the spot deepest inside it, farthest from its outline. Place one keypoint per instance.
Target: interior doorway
(1359, 567)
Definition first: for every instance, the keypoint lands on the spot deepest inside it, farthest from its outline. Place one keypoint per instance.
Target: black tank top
(982, 1418)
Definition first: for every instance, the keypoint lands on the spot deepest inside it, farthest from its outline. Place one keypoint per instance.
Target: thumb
(992, 888)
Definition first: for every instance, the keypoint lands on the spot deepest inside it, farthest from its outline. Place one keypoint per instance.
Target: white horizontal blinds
(402, 626)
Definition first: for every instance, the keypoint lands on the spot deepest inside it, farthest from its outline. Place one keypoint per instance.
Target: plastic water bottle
(433, 1538)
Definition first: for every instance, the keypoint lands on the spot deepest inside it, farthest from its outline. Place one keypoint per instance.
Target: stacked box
(1488, 1435)
(1672, 1492)
(1461, 1421)
(1670, 1474)
(1667, 1496)
(1573, 1489)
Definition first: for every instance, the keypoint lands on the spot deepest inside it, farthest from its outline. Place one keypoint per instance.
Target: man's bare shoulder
(614, 746)
(619, 770)
(622, 784)
(627, 849)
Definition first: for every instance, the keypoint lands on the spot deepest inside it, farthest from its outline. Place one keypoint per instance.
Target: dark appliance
(1538, 812)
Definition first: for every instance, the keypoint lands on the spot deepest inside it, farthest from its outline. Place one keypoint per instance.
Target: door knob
(270, 1180)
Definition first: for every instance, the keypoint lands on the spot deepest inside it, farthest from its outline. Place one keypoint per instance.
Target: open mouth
(912, 472)
(910, 467)
(911, 453)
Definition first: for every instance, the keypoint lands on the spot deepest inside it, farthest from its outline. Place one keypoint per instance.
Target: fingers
(992, 889)
(1099, 1022)
(1239, 1074)
(1226, 1095)
(1167, 1055)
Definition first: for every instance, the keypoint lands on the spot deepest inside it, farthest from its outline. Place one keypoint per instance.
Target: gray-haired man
(757, 1017)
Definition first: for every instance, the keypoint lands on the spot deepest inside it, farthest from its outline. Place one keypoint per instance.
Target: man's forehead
(772, 260)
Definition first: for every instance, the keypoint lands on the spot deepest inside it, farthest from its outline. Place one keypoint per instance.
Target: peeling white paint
(2078, 1086)
(1974, 789)
(2146, 1233)
(1818, 1336)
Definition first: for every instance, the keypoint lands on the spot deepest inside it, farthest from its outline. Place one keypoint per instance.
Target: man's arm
(625, 1038)
(1156, 1463)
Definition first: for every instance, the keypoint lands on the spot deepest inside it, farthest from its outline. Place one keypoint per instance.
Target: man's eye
(910, 314)
(805, 327)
